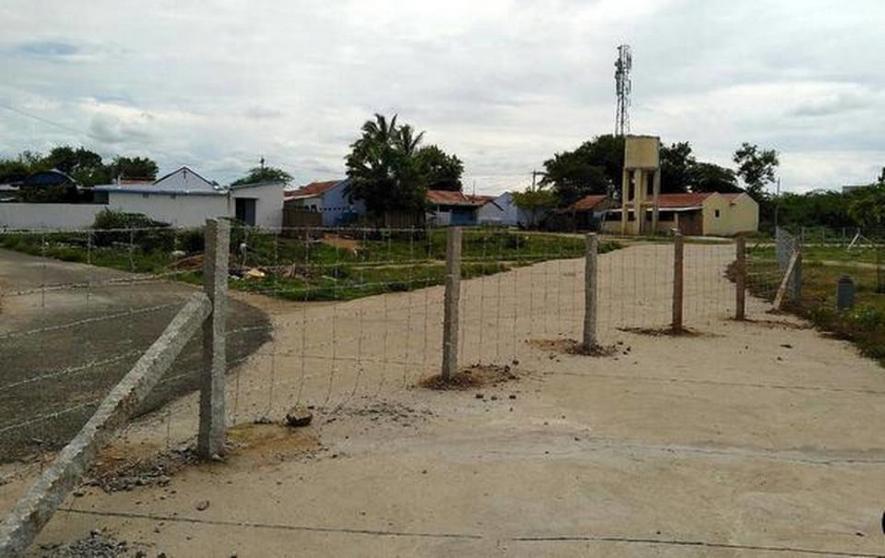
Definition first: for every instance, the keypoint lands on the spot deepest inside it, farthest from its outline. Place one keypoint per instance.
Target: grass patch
(344, 265)
(863, 325)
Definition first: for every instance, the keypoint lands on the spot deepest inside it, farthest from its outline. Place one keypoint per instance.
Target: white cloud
(503, 83)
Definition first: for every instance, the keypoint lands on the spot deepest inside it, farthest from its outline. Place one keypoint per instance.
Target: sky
(504, 84)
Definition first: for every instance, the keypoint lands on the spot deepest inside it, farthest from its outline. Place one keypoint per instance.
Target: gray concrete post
(678, 269)
(37, 506)
(590, 291)
(452, 300)
(740, 280)
(656, 194)
(210, 441)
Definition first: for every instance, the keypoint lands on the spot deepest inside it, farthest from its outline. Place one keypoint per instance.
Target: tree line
(86, 167)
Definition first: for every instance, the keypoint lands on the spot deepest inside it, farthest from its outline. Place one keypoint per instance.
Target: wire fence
(328, 318)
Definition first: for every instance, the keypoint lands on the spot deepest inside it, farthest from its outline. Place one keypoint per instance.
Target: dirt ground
(756, 438)
(61, 332)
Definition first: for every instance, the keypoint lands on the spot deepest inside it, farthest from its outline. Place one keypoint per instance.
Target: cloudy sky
(502, 83)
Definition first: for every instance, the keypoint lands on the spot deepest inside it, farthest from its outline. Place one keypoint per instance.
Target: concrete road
(759, 438)
(80, 328)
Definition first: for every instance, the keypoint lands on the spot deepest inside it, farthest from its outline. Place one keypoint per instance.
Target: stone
(202, 505)
(298, 417)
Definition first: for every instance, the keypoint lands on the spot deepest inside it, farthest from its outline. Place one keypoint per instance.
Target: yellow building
(701, 214)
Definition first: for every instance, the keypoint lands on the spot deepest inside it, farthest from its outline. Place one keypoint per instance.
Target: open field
(308, 264)
(754, 438)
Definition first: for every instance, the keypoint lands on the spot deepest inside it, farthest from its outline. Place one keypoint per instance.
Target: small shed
(453, 208)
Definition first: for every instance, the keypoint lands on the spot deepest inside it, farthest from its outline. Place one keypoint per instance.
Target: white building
(185, 199)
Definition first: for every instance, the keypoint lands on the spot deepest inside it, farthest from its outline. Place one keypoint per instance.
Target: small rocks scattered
(96, 545)
(155, 471)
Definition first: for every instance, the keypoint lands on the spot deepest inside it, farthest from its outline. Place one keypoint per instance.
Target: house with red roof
(330, 198)
(447, 207)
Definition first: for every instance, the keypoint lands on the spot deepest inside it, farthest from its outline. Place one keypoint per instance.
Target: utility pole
(536, 174)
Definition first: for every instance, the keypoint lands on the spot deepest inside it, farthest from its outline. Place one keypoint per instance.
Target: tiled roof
(681, 201)
(588, 202)
(447, 197)
(480, 198)
(313, 189)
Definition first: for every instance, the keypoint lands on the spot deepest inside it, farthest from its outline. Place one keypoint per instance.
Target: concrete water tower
(641, 185)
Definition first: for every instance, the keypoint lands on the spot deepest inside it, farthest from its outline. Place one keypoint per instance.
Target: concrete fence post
(590, 291)
(678, 274)
(452, 300)
(210, 441)
(39, 503)
(740, 279)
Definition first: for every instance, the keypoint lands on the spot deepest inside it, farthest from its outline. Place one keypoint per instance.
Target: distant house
(588, 213)
(48, 186)
(184, 198)
(707, 214)
(446, 207)
(502, 210)
(330, 198)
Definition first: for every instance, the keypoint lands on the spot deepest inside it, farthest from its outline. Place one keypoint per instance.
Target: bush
(867, 317)
(145, 233)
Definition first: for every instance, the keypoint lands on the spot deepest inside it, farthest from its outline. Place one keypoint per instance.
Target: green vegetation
(86, 167)
(257, 175)
(864, 325)
(390, 171)
(343, 266)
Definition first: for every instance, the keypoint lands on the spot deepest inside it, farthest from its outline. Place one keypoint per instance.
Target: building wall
(502, 212)
(58, 216)
(268, 204)
(337, 208)
(177, 210)
(735, 216)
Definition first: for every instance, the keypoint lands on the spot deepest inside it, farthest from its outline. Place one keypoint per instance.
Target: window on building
(717, 213)
(145, 196)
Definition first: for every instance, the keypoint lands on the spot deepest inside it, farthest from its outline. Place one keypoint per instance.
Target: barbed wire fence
(354, 316)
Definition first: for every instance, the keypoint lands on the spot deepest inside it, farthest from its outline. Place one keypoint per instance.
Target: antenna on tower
(623, 87)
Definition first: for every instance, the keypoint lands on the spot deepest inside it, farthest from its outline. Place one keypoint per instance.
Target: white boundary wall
(48, 215)
(179, 210)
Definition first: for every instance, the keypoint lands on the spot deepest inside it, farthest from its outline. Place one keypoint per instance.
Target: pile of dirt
(478, 375)
(662, 331)
(97, 545)
(113, 474)
(387, 410)
(573, 347)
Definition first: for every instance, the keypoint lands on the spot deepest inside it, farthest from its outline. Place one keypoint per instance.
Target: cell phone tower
(624, 87)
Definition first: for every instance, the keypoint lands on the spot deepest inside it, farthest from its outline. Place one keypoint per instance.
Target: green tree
(384, 168)
(593, 168)
(710, 177)
(83, 165)
(756, 167)
(13, 170)
(536, 202)
(263, 174)
(440, 170)
(677, 163)
(133, 168)
(867, 206)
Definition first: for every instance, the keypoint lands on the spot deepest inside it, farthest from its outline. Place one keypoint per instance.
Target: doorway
(244, 210)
